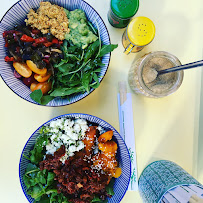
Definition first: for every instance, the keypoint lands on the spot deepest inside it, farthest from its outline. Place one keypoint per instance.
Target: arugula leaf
(86, 81)
(92, 28)
(95, 77)
(77, 72)
(65, 67)
(100, 43)
(106, 49)
(73, 56)
(98, 70)
(60, 92)
(84, 64)
(39, 98)
(60, 64)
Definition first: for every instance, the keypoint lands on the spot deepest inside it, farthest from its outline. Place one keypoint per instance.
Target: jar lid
(141, 31)
(124, 8)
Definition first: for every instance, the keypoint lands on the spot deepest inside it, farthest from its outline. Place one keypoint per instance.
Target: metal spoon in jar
(153, 73)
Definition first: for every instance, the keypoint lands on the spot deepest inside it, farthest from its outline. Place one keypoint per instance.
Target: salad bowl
(121, 183)
(16, 16)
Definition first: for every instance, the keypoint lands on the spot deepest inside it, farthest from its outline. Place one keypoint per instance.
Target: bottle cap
(141, 31)
(124, 8)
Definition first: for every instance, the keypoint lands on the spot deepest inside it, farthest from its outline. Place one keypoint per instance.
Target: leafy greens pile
(79, 69)
(40, 183)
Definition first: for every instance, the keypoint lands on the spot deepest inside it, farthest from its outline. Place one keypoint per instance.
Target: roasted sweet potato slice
(106, 163)
(90, 138)
(117, 172)
(106, 136)
(109, 148)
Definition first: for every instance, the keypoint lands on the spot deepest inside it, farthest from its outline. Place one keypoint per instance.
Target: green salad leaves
(79, 69)
(40, 185)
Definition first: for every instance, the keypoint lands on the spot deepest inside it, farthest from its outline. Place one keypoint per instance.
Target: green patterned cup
(161, 176)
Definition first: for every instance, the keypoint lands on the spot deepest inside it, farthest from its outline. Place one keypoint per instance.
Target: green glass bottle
(121, 11)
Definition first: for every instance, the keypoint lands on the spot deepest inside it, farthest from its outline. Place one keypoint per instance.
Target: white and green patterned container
(161, 176)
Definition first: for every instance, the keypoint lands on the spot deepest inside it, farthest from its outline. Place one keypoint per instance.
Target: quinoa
(49, 18)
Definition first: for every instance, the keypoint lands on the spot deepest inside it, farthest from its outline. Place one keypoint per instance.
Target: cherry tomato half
(32, 86)
(42, 78)
(22, 69)
(34, 68)
(44, 86)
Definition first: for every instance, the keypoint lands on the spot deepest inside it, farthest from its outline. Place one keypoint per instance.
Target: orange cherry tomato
(32, 86)
(44, 86)
(34, 68)
(22, 69)
(42, 78)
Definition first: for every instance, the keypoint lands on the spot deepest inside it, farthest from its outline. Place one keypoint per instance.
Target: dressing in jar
(143, 78)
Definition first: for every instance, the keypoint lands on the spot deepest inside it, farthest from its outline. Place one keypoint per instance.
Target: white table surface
(165, 128)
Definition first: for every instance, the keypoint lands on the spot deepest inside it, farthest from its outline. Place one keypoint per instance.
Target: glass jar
(141, 75)
(121, 12)
(139, 33)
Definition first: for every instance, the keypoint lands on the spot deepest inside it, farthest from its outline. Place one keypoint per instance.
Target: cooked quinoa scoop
(49, 18)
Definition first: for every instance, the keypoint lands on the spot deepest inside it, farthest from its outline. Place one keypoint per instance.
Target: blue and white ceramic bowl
(16, 15)
(123, 157)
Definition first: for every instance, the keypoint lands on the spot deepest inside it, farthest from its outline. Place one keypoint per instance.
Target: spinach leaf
(36, 96)
(59, 198)
(46, 99)
(44, 199)
(98, 200)
(50, 178)
(36, 154)
(39, 183)
(36, 192)
(109, 187)
(39, 98)
(106, 49)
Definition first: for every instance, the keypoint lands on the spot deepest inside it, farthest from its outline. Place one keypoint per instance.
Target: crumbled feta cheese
(72, 148)
(50, 149)
(80, 145)
(66, 132)
(74, 136)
